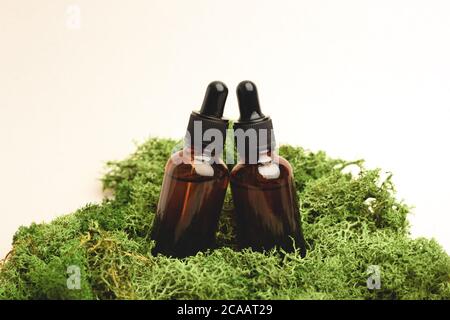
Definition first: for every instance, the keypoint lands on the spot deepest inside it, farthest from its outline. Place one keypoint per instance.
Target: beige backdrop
(80, 80)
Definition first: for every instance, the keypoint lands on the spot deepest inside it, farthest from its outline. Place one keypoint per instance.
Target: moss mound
(350, 221)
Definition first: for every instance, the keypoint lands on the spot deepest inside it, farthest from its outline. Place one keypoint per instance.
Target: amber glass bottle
(266, 206)
(194, 184)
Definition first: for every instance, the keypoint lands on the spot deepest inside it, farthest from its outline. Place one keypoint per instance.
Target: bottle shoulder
(278, 171)
(182, 165)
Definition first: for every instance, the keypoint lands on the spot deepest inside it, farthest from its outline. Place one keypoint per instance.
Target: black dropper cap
(214, 101)
(252, 118)
(209, 116)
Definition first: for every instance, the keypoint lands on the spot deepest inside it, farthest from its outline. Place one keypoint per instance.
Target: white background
(359, 79)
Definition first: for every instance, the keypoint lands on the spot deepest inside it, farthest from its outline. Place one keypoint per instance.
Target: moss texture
(351, 221)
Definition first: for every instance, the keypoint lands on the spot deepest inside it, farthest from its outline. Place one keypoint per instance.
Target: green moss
(350, 221)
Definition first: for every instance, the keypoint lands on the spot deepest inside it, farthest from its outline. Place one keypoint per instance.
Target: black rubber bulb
(214, 101)
(248, 102)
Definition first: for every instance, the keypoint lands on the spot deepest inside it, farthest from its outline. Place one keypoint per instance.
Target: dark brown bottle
(194, 184)
(264, 195)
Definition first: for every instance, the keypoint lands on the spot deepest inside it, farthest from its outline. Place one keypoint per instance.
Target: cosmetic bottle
(266, 205)
(194, 183)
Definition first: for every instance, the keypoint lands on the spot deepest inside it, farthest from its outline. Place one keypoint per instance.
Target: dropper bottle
(194, 183)
(262, 183)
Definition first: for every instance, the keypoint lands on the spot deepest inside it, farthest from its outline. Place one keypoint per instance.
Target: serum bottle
(266, 206)
(194, 183)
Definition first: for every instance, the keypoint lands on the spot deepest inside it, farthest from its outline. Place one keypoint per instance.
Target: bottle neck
(194, 151)
(257, 157)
